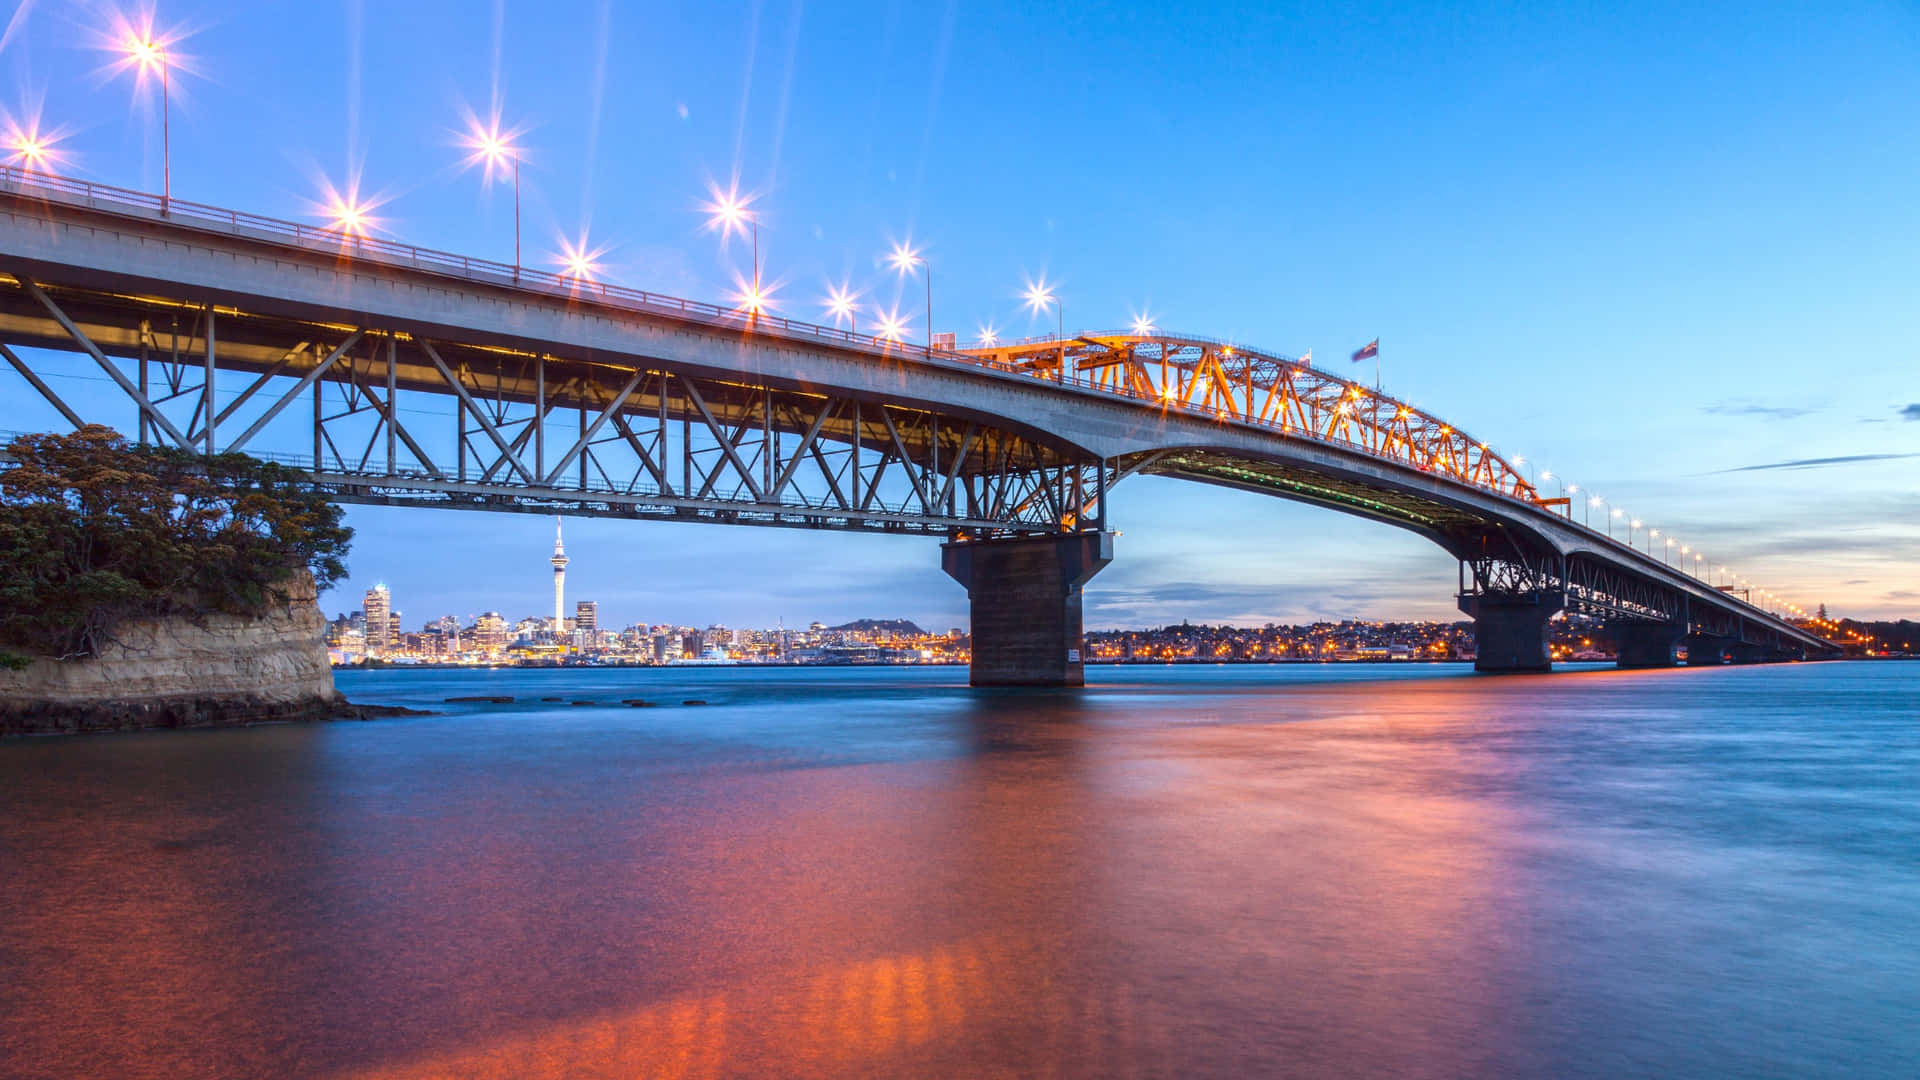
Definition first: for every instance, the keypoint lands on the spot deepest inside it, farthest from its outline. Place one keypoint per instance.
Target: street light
(1038, 296)
(495, 150)
(840, 304)
(31, 149)
(989, 337)
(904, 258)
(350, 215)
(150, 55)
(1143, 325)
(892, 326)
(578, 261)
(730, 212)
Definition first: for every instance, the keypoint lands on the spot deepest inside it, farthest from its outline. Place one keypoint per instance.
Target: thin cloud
(1911, 412)
(1821, 462)
(1764, 412)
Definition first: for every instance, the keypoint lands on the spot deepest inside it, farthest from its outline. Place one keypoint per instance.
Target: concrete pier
(1706, 650)
(1510, 634)
(1025, 600)
(1649, 645)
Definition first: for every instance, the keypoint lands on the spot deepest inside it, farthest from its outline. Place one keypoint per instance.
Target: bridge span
(534, 392)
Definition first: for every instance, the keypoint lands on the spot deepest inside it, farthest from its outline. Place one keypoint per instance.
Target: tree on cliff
(95, 531)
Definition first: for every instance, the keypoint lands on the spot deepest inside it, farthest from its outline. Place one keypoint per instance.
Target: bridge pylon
(1707, 650)
(1510, 631)
(1649, 644)
(1025, 599)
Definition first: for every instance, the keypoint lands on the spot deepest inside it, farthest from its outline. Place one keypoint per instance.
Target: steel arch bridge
(419, 378)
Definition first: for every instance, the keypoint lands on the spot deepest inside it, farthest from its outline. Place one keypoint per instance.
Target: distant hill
(895, 627)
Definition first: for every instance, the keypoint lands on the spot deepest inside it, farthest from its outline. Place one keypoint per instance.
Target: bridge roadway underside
(416, 390)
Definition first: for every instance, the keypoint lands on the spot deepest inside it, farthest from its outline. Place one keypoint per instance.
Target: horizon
(1646, 307)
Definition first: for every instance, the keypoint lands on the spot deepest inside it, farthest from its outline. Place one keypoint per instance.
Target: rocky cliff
(210, 671)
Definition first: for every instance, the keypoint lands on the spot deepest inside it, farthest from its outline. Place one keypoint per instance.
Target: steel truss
(395, 419)
(1574, 583)
(1237, 383)
(1593, 587)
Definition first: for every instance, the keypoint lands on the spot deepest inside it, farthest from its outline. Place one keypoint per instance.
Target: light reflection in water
(1186, 873)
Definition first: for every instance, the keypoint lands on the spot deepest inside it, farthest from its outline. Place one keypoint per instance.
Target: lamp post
(497, 149)
(1038, 297)
(151, 55)
(730, 212)
(840, 305)
(904, 258)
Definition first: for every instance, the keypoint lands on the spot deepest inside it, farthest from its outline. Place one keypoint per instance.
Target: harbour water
(1348, 871)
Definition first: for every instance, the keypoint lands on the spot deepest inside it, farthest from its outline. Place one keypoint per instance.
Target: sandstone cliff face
(180, 672)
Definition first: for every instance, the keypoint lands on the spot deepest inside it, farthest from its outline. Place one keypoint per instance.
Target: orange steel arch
(1233, 382)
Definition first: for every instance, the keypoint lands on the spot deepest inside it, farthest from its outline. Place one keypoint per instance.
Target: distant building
(586, 617)
(490, 632)
(379, 620)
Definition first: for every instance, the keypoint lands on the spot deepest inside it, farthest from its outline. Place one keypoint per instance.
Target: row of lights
(1720, 577)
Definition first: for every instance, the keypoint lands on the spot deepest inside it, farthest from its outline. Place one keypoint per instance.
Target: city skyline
(1608, 302)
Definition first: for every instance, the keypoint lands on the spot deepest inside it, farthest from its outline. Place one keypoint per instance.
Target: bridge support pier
(1510, 632)
(1025, 601)
(1648, 645)
(1707, 650)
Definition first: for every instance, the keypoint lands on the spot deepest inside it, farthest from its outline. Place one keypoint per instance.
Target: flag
(1368, 351)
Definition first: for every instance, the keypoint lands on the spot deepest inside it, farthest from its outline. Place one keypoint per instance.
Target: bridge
(528, 391)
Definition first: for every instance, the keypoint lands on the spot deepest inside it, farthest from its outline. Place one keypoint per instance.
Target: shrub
(95, 531)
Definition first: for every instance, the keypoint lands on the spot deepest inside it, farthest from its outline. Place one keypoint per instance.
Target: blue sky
(1657, 248)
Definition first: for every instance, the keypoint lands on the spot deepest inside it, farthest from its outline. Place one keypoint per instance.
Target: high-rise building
(559, 583)
(586, 617)
(490, 632)
(379, 617)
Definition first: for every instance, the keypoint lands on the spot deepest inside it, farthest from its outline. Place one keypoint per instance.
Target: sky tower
(559, 584)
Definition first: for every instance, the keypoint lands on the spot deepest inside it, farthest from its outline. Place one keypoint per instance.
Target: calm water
(1307, 871)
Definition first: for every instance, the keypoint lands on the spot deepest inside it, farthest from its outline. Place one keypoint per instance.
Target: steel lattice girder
(521, 430)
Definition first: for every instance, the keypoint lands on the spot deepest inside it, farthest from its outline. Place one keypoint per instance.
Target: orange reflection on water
(868, 1012)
